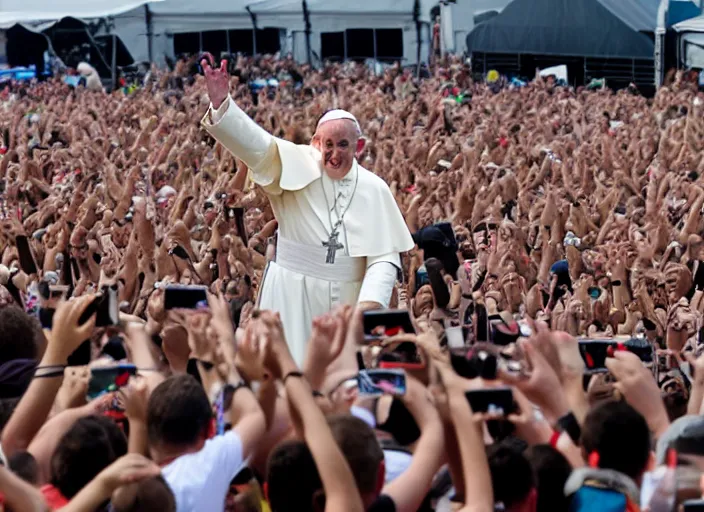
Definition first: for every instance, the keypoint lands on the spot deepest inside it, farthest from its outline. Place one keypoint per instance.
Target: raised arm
(236, 131)
(338, 482)
(34, 407)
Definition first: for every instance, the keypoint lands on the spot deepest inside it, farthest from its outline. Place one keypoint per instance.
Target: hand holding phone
(106, 307)
(595, 351)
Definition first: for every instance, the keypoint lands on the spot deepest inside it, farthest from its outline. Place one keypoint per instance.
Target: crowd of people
(545, 219)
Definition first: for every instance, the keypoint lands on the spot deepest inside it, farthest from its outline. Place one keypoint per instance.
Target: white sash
(310, 261)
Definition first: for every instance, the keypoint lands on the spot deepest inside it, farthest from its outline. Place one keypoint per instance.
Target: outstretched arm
(236, 131)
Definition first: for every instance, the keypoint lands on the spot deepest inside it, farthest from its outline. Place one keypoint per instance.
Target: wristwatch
(568, 423)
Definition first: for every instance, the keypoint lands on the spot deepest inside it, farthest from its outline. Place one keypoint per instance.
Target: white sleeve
(246, 140)
(380, 279)
(217, 115)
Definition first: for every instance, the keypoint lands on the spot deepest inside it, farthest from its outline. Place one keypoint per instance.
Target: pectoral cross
(332, 245)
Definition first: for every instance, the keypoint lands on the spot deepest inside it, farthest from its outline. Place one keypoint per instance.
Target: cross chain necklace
(332, 244)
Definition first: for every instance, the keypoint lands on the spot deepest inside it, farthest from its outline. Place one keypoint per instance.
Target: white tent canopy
(171, 17)
(691, 25)
(25, 11)
(150, 30)
(691, 41)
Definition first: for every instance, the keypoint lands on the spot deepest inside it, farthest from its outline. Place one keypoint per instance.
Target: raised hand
(217, 81)
(328, 338)
(134, 399)
(67, 333)
(636, 384)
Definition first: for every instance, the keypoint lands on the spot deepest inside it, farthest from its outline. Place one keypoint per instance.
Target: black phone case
(480, 400)
(184, 297)
(27, 261)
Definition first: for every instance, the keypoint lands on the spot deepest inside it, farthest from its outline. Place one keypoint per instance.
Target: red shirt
(53, 497)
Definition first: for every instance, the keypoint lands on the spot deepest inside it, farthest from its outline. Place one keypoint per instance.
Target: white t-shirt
(200, 480)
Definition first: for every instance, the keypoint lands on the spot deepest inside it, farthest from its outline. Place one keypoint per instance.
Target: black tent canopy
(582, 28)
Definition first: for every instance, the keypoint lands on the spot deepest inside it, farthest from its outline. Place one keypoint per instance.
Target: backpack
(601, 499)
(601, 490)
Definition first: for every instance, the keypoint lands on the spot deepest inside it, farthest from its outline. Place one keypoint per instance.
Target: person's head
(511, 478)
(620, 436)
(24, 465)
(21, 335)
(178, 417)
(293, 482)
(339, 140)
(684, 435)
(551, 470)
(88, 447)
(145, 496)
(363, 453)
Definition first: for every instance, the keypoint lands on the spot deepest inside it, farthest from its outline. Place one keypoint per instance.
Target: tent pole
(150, 34)
(344, 46)
(114, 62)
(374, 39)
(660, 31)
(419, 35)
(254, 30)
(306, 19)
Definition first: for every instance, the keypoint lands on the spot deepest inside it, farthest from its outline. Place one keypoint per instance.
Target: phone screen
(383, 323)
(496, 400)
(185, 297)
(381, 382)
(109, 379)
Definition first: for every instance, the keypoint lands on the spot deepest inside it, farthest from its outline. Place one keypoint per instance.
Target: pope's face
(338, 143)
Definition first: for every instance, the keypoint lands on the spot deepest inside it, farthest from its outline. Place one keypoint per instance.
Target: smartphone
(109, 379)
(27, 262)
(494, 400)
(185, 297)
(594, 352)
(455, 337)
(421, 278)
(237, 214)
(381, 382)
(699, 276)
(360, 361)
(693, 506)
(441, 293)
(383, 323)
(52, 291)
(105, 306)
(476, 362)
(179, 252)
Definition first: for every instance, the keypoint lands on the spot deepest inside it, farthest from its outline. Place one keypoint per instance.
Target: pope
(340, 229)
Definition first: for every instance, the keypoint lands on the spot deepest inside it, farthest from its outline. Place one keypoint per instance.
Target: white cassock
(299, 284)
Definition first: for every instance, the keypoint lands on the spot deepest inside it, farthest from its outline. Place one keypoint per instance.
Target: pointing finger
(223, 65)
